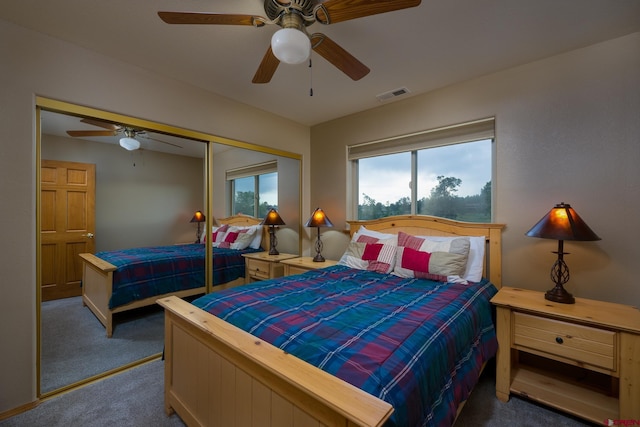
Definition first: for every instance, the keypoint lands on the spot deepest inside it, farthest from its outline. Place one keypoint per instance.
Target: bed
(218, 374)
(168, 270)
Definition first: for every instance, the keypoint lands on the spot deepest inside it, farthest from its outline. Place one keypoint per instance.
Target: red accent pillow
(415, 260)
(371, 252)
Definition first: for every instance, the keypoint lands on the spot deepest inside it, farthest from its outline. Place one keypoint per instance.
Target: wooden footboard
(97, 278)
(219, 375)
(97, 282)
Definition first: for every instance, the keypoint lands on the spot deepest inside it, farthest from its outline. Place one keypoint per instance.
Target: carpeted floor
(135, 398)
(483, 409)
(131, 398)
(75, 345)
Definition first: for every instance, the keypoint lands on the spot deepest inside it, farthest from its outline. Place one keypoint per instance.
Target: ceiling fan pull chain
(310, 78)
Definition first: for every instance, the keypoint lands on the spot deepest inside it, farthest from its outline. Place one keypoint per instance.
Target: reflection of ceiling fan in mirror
(128, 140)
(292, 44)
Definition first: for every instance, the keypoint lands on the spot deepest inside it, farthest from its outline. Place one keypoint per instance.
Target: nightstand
(582, 358)
(262, 266)
(303, 264)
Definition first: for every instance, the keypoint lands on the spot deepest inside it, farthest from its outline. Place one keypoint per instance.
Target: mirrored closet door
(130, 198)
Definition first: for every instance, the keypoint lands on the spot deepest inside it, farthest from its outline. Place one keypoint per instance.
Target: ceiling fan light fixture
(129, 143)
(291, 46)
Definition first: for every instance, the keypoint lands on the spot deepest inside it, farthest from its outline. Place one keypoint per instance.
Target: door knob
(89, 235)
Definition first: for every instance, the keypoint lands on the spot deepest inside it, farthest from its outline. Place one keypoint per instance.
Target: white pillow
(257, 239)
(363, 231)
(475, 262)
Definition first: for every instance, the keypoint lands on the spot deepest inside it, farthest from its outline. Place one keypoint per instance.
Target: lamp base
(318, 258)
(273, 242)
(560, 295)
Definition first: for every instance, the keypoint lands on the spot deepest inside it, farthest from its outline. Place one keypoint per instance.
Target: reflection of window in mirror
(253, 189)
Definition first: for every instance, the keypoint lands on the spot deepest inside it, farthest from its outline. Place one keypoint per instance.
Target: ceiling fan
(128, 141)
(292, 43)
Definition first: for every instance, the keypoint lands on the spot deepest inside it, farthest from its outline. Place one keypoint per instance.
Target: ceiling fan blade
(267, 68)
(81, 133)
(100, 123)
(339, 57)
(333, 11)
(210, 18)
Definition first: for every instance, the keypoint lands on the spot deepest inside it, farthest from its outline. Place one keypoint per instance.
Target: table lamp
(561, 223)
(272, 219)
(318, 219)
(199, 218)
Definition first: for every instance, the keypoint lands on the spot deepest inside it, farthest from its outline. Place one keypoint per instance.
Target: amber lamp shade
(561, 223)
(199, 218)
(318, 219)
(272, 219)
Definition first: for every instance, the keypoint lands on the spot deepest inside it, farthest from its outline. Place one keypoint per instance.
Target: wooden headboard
(424, 225)
(241, 220)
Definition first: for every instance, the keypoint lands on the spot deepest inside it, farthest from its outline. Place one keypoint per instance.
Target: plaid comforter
(416, 344)
(146, 272)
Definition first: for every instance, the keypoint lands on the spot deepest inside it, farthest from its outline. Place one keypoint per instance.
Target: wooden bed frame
(97, 280)
(218, 375)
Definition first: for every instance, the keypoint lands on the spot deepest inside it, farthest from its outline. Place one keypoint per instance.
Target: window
(444, 172)
(253, 189)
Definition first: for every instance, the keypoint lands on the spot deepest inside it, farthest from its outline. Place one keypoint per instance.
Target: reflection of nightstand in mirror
(581, 358)
(262, 266)
(303, 264)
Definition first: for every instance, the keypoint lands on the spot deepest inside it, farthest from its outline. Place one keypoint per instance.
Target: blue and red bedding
(414, 343)
(147, 272)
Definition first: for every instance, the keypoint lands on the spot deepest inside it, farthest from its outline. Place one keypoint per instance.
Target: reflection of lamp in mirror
(318, 219)
(128, 142)
(272, 219)
(561, 223)
(199, 218)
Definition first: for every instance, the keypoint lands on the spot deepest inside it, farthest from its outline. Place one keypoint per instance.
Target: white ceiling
(439, 43)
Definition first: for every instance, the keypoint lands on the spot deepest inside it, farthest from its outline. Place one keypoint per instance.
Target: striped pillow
(369, 253)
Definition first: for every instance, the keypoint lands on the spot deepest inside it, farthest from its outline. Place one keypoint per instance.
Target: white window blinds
(252, 170)
(465, 132)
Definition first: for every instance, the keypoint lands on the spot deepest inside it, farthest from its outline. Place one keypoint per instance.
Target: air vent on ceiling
(392, 94)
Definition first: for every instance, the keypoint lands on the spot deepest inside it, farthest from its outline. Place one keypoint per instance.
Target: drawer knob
(559, 340)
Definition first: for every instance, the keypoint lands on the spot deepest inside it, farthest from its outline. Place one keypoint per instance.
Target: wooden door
(67, 209)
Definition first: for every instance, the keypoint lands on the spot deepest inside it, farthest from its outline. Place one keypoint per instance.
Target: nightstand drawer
(290, 270)
(582, 344)
(258, 269)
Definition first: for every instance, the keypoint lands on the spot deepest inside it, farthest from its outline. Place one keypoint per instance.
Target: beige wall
(35, 65)
(567, 129)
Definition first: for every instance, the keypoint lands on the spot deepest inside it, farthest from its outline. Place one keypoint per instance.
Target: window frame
(482, 129)
(251, 171)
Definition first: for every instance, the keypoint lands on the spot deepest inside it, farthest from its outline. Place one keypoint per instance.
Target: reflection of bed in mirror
(118, 281)
(213, 364)
(173, 174)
